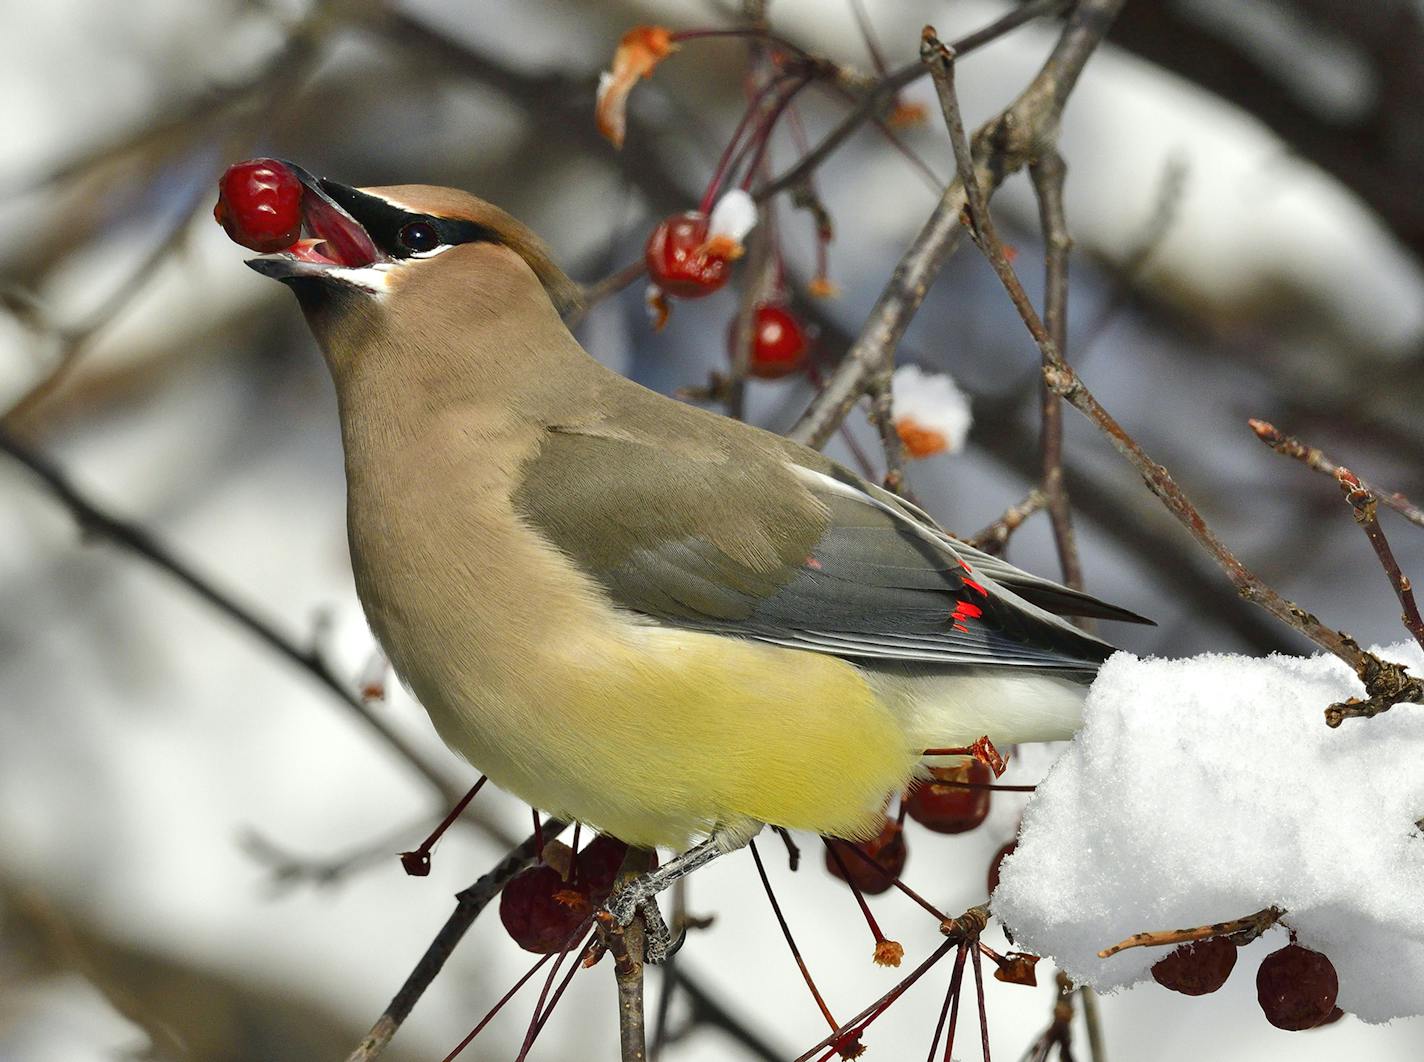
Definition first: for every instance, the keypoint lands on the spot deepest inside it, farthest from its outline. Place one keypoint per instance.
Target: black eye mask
(400, 233)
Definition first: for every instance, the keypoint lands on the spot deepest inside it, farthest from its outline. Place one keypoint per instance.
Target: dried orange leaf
(985, 752)
(641, 49)
(1016, 968)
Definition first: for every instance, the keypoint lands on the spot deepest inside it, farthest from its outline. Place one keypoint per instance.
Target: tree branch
(468, 906)
(1002, 146)
(1316, 459)
(1386, 683)
(93, 520)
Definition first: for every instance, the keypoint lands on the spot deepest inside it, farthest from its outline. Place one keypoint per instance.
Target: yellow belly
(656, 735)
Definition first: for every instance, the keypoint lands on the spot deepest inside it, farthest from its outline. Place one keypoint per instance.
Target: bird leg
(641, 893)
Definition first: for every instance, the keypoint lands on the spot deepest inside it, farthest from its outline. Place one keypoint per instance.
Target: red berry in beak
(951, 808)
(887, 855)
(260, 205)
(778, 343)
(680, 261)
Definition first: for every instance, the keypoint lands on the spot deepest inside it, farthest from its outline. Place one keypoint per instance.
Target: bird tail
(938, 707)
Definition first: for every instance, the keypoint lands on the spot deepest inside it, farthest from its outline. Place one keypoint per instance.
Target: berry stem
(497, 1008)
(983, 1012)
(719, 175)
(790, 940)
(859, 897)
(762, 137)
(951, 1006)
(417, 863)
(911, 893)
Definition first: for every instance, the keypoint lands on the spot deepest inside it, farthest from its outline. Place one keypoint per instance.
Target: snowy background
(142, 737)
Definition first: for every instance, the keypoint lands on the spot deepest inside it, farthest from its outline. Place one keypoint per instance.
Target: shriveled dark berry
(886, 859)
(1197, 968)
(1296, 988)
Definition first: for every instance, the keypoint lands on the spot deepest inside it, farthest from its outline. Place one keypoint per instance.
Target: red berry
(886, 859)
(260, 205)
(541, 911)
(951, 808)
(997, 862)
(679, 261)
(1296, 988)
(1197, 968)
(598, 866)
(778, 343)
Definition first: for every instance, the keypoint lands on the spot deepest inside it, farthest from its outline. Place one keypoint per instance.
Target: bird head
(411, 259)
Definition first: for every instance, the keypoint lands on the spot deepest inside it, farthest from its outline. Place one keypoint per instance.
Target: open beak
(332, 238)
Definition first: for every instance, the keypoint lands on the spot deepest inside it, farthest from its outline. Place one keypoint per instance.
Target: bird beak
(333, 239)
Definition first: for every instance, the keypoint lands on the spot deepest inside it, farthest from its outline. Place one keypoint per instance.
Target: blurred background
(197, 839)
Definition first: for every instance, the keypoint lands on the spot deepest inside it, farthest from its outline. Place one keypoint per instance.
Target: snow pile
(1207, 789)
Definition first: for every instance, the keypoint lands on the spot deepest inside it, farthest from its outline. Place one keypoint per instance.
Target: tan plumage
(634, 612)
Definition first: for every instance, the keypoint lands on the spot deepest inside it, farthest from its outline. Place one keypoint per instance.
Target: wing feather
(810, 557)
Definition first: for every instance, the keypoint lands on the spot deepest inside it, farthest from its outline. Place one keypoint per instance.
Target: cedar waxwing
(626, 610)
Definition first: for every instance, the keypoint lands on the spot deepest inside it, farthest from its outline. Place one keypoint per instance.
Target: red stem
(790, 941)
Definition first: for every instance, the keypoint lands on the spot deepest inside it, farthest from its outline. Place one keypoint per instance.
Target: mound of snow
(1207, 789)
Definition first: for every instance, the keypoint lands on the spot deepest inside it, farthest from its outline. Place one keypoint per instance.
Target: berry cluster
(1295, 987)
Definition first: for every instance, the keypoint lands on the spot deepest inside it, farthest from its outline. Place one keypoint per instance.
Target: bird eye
(419, 236)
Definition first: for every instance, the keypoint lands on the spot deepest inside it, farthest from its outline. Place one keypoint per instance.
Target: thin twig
(994, 538)
(1092, 1022)
(627, 946)
(468, 905)
(93, 520)
(1003, 145)
(1048, 173)
(1241, 930)
(1386, 683)
(890, 85)
(1314, 458)
(1365, 506)
(590, 295)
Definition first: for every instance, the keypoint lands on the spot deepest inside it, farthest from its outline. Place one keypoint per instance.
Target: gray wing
(806, 558)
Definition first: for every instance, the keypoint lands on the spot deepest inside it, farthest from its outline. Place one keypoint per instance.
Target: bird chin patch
(373, 279)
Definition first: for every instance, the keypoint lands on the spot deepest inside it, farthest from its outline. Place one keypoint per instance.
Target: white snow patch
(1206, 789)
(932, 402)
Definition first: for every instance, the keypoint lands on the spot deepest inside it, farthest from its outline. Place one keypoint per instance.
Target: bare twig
(259, 93)
(468, 906)
(1316, 459)
(93, 520)
(1092, 1021)
(1240, 930)
(1002, 146)
(627, 946)
(994, 538)
(1386, 683)
(288, 869)
(890, 85)
(590, 295)
(1048, 173)
(1365, 507)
